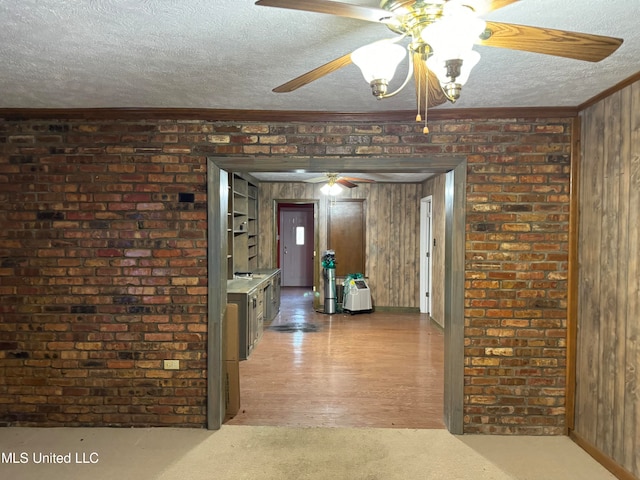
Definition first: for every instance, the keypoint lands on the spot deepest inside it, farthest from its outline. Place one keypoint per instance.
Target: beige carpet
(240, 452)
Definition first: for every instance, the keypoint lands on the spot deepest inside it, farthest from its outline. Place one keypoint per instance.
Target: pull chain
(425, 130)
(419, 90)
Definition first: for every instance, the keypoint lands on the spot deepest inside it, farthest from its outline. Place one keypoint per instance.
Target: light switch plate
(172, 364)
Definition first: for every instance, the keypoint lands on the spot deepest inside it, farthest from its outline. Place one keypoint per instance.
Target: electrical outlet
(172, 364)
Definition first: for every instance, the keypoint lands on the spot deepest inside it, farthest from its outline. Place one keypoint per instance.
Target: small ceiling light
(331, 187)
(334, 189)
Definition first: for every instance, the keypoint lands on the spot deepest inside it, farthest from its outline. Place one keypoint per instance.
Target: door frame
(316, 235)
(426, 239)
(455, 169)
(217, 241)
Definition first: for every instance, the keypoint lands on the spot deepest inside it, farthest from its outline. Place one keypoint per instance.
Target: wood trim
(572, 300)
(217, 181)
(221, 115)
(399, 310)
(316, 237)
(455, 237)
(603, 459)
(610, 91)
(435, 164)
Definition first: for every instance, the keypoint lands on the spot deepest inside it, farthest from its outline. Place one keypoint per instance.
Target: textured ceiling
(229, 54)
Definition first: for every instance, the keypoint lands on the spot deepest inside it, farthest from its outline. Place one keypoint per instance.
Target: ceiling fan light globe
(454, 35)
(378, 61)
(328, 189)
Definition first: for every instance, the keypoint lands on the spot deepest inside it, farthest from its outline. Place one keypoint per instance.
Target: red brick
(130, 189)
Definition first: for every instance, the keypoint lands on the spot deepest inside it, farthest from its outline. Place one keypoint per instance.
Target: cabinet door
(252, 319)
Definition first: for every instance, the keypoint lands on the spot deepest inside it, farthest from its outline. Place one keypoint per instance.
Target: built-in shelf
(242, 221)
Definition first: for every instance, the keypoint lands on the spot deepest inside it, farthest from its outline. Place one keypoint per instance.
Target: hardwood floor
(368, 370)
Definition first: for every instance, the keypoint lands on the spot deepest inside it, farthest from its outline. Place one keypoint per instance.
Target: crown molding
(219, 115)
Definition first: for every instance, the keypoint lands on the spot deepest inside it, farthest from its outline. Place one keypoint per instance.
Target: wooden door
(346, 235)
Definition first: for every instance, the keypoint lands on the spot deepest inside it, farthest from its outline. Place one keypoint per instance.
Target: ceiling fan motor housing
(412, 16)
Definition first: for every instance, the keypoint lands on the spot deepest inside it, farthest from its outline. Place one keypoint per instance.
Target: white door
(296, 246)
(426, 241)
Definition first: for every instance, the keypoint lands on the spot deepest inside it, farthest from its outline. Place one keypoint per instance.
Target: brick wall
(102, 274)
(103, 268)
(516, 280)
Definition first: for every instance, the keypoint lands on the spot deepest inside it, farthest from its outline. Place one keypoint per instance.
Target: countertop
(244, 285)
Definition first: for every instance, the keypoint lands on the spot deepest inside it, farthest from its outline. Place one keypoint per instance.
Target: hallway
(369, 370)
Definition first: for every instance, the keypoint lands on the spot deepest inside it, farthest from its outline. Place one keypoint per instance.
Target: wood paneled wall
(392, 225)
(608, 348)
(435, 186)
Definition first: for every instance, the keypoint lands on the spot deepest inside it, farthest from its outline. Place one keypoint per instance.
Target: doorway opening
(453, 278)
(426, 240)
(295, 243)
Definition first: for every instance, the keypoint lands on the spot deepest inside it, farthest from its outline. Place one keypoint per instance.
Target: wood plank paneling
(607, 373)
(608, 275)
(631, 457)
(620, 149)
(589, 246)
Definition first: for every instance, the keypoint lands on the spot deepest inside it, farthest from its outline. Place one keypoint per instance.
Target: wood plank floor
(368, 370)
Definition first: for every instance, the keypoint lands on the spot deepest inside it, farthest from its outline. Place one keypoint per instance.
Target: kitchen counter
(244, 285)
(258, 300)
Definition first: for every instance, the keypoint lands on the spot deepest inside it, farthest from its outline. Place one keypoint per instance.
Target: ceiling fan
(440, 35)
(334, 180)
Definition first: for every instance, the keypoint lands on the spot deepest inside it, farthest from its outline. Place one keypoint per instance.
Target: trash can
(330, 298)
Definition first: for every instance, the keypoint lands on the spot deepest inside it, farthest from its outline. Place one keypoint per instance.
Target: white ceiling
(229, 54)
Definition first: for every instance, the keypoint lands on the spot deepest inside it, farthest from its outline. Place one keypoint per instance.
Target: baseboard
(603, 459)
(436, 324)
(396, 309)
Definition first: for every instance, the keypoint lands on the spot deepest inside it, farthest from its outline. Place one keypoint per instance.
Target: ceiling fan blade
(420, 74)
(314, 74)
(345, 183)
(561, 43)
(358, 12)
(436, 95)
(321, 179)
(357, 179)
